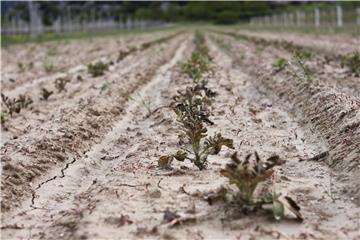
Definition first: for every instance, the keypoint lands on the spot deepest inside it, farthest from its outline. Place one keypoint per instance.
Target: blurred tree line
(220, 12)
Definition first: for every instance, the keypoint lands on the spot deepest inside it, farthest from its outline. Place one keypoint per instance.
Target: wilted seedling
(24, 101)
(98, 69)
(15, 105)
(45, 94)
(279, 65)
(60, 83)
(352, 61)
(247, 174)
(201, 146)
(192, 116)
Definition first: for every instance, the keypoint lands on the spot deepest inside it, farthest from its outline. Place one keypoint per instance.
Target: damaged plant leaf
(246, 174)
(60, 83)
(45, 94)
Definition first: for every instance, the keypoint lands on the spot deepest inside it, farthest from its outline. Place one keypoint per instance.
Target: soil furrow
(56, 55)
(96, 167)
(333, 115)
(71, 131)
(41, 111)
(327, 71)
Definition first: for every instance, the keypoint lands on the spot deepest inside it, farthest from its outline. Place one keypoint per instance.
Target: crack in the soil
(32, 205)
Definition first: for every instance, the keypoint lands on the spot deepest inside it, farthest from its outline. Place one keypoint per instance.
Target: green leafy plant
(247, 174)
(279, 65)
(15, 105)
(98, 69)
(303, 54)
(305, 73)
(60, 83)
(45, 94)
(199, 62)
(196, 66)
(352, 61)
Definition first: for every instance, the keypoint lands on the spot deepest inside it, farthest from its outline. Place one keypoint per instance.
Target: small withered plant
(14, 105)
(60, 83)
(247, 174)
(98, 69)
(45, 94)
(352, 61)
(192, 109)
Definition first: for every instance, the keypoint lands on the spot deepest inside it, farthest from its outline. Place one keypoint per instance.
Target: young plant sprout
(246, 174)
(279, 65)
(98, 69)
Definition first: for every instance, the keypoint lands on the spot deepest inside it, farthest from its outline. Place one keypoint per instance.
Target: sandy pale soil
(89, 170)
(339, 44)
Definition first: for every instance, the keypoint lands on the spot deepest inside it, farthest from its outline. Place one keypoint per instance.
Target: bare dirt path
(116, 190)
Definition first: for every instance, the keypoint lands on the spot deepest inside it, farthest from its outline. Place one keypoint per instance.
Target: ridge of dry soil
(116, 190)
